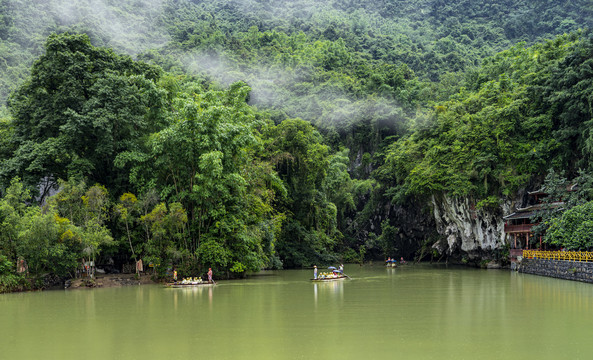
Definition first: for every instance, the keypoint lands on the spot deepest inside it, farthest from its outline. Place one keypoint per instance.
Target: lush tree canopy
(249, 135)
(80, 108)
(508, 123)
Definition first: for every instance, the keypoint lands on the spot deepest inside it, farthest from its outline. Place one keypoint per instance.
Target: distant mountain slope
(430, 36)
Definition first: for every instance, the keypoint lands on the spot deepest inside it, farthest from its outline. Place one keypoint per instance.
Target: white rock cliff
(467, 229)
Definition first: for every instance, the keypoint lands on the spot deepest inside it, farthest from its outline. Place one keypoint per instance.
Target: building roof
(542, 190)
(529, 211)
(519, 215)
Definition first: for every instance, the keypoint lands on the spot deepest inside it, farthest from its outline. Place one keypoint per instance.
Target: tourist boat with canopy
(335, 274)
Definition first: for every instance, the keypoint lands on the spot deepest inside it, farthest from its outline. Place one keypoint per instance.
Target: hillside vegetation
(242, 135)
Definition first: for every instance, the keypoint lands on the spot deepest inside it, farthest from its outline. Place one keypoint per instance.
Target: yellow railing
(559, 255)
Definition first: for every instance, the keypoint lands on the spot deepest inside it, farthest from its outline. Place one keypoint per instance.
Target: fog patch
(131, 26)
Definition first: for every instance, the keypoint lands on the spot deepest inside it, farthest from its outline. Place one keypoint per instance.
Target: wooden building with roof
(518, 225)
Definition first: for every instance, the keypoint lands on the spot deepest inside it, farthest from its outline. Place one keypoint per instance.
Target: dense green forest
(242, 135)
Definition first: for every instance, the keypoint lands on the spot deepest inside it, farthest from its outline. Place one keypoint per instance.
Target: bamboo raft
(190, 284)
(319, 279)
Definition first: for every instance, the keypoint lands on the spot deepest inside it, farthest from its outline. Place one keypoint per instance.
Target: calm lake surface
(416, 312)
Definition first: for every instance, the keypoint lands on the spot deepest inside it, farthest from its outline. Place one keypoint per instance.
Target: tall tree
(207, 160)
(80, 107)
(303, 163)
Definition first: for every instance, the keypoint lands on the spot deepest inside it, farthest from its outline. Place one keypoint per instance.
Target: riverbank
(110, 281)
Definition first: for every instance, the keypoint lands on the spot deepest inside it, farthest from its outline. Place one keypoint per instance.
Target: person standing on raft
(315, 271)
(209, 274)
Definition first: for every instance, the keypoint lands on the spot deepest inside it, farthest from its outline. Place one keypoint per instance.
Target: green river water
(412, 312)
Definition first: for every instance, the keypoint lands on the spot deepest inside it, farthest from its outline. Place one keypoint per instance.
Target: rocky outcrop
(455, 228)
(414, 223)
(468, 231)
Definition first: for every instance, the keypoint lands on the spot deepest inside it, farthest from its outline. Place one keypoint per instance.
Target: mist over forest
(219, 39)
(243, 135)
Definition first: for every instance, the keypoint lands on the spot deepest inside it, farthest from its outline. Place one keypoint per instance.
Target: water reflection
(536, 291)
(188, 294)
(391, 270)
(414, 312)
(329, 290)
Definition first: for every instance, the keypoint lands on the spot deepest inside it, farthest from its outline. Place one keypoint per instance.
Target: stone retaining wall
(561, 269)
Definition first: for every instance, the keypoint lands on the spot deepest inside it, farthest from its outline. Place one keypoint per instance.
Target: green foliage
(491, 202)
(561, 195)
(350, 256)
(68, 201)
(388, 239)
(12, 209)
(339, 187)
(341, 66)
(43, 245)
(208, 159)
(81, 106)
(488, 142)
(278, 132)
(166, 227)
(319, 192)
(45, 238)
(573, 230)
(8, 281)
(125, 212)
(238, 268)
(563, 219)
(215, 254)
(361, 253)
(82, 213)
(95, 236)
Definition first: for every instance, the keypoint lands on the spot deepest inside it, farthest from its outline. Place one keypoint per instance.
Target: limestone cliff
(467, 231)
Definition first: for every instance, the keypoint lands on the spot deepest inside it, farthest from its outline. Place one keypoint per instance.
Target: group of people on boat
(336, 273)
(193, 280)
(390, 260)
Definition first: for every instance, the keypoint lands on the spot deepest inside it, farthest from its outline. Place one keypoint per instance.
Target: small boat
(185, 283)
(188, 285)
(334, 275)
(333, 278)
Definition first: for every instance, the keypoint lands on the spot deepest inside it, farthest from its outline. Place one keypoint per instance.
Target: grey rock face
(467, 229)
